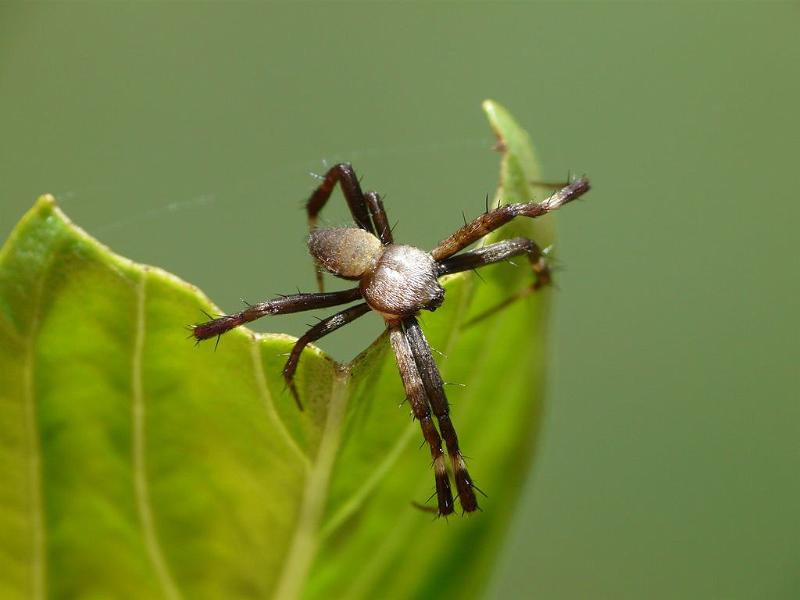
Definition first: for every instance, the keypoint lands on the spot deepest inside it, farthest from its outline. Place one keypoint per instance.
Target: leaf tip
(505, 127)
(488, 105)
(46, 202)
(491, 108)
(497, 114)
(512, 138)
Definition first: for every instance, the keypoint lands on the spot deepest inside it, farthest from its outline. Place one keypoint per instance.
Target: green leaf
(137, 466)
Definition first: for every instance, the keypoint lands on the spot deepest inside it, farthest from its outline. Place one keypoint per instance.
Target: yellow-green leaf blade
(139, 466)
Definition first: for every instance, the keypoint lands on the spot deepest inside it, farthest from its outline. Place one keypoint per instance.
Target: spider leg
(345, 176)
(318, 331)
(379, 218)
(499, 252)
(488, 222)
(277, 306)
(415, 392)
(434, 387)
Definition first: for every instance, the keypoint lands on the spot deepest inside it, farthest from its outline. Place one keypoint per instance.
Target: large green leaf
(135, 465)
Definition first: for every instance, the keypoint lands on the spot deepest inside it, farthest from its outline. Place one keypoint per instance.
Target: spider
(397, 282)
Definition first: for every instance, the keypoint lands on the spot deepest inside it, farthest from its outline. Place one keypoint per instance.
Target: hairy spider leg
(434, 387)
(415, 392)
(318, 331)
(494, 253)
(488, 222)
(379, 218)
(498, 252)
(345, 176)
(277, 306)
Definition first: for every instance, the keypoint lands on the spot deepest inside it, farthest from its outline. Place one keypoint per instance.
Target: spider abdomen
(403, 282)
(346, 252)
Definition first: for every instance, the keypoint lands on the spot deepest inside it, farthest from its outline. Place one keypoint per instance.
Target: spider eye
(346, 252)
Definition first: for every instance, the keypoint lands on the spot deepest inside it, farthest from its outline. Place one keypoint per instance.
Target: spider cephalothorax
(398, 282)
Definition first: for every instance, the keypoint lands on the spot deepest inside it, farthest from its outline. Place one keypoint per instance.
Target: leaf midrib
(305, 539)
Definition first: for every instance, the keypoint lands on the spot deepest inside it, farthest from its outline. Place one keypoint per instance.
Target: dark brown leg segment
(278, 306)
(415, 392)
(434, 387)
(379, 218)
(318, 331)
(494, 253)
(493, 219)
(344, 175)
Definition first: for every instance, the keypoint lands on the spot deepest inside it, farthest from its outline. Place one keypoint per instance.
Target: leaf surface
(138, 466)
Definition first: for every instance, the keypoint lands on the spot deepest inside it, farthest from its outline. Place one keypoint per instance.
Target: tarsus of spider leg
(415, 392)
(280, 305)
(488, 222)
(434, 387)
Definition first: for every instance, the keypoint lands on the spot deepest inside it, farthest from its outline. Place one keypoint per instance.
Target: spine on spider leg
(434, 387)
(415, 393)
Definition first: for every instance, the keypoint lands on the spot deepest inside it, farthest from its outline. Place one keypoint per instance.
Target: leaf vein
(143, 503)
(266, 396)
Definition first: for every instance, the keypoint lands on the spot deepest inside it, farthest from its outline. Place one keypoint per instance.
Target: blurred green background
(182, 135)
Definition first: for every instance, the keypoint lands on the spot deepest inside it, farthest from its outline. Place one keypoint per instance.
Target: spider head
(346, 252)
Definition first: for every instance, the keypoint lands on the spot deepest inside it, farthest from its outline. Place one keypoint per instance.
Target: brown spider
(398, 282)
